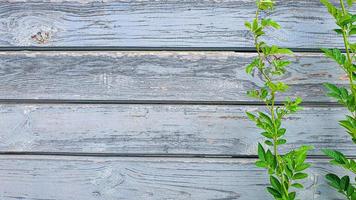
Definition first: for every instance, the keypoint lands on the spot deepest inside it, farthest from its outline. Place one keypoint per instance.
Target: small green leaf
(281, 141)
(248, 25)
(335, 54)
(281, 132)
(332, 88)
(349, 3)
(344, 183)
(338, 31)
(275, 183)
(261, 152)
(265, 4)
(352, 31)
(284, 51)
(251, 116)
(267, 135)
(336, 13)
(261, 164)
(299, 176)
(334, 180)
(270, 22)
(252, 65)
(336, 155)
(297, 185)
(302, 167)
(269, 143)
(292, 195)
(274, 192)
(353, 196)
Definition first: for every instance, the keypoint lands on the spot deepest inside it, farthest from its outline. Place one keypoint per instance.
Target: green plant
(286, 170)
(346, 97)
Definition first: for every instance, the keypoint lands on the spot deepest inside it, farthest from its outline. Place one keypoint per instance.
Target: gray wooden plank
(89, 178)
(188, 76)
(194, 23)
(159, 129)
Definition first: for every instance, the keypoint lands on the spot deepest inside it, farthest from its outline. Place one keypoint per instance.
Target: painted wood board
(154, 76)
(159, 129)
(94, 178)
(194, 23)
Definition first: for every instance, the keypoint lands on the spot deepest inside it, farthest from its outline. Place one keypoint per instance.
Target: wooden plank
(89, 178)
(188, 76)
(159, 129)
(159, 23)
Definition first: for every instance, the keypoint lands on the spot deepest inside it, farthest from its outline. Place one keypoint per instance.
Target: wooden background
(143, 99)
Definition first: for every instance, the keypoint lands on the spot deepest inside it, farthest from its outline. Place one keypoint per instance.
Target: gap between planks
(147, 155)
(158, 102)
(144, 48)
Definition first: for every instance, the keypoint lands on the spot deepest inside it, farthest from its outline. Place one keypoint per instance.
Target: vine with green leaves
(346, 97)
(285, 171)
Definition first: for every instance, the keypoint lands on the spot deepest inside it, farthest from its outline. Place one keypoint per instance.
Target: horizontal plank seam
(157, 102)
(170, 155)
(145, 48)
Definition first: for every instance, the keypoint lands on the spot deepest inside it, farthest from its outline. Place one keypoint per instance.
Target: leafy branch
(346, 97)
(286, 170)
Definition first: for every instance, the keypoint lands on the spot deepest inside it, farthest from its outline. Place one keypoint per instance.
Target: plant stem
(271, 108)
(347, 49)
(275, 146)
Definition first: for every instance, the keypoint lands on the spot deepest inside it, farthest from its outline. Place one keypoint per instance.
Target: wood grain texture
(194, 23)
(188, 76)
(62, 178)
(159, 129)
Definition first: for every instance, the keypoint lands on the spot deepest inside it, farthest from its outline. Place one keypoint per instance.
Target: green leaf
(269, 143)
(281, 132)
(338, 157)
(248, 25)
(275, 183)
(253, 93)
(278, 86)
(251, 116)
(261, 152)
(267, 135)
(340, 94)
(334, 180)
(353, 196)
(281, 141)
(335, 54)
(336, 13)
(352, 31)
(338, 31)
(274, 192)
(254, 25)
(302, 167)
(344, 183)
(297, 185)
(350, 125)
(270, 22)
(332, 88)
(353, 46)
(349, 3)
(261, 164)
(292, 195)
(265, 4)
(349, 190)
(252, 65)
(299, 176)
(269, 157)
(284, 51)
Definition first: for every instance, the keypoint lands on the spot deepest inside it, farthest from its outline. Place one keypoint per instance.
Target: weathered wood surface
(202, 23)
(89, 178)
(159, 129)
(188, 76)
